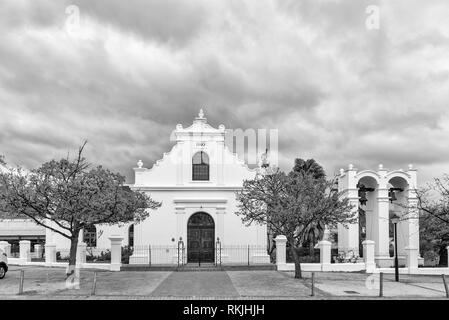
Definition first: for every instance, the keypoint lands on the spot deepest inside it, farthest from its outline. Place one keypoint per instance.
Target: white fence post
(50, 253)
(368, 255)
(6, 247)
(281, 250)
(24, 249)
(81, 254)
(325, 254)
(116, 252)
(412, 258)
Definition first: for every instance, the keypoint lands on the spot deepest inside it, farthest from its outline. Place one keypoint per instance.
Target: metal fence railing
(153, 255)
(239, 254)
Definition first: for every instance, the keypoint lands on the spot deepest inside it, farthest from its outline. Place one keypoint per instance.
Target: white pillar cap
(116, 238)
(281, 238)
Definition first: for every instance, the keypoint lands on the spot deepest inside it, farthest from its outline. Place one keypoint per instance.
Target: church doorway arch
(200, 238)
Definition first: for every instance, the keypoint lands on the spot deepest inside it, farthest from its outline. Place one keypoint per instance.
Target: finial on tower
(200, 118)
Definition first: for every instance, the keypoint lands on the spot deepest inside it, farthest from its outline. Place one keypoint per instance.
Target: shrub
(127, 251)
(104, 256)
(59, 257)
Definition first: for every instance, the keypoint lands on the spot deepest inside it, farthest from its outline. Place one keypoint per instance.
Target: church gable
(199, 158)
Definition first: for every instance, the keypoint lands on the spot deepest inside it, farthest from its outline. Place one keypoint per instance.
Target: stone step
(198, 269)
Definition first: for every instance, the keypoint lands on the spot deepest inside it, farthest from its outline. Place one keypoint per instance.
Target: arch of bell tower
(378, 195)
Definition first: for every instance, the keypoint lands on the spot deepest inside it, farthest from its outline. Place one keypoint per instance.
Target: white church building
(196, 182)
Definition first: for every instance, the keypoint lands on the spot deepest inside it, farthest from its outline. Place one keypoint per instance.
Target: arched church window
(90, 236)
(131, 235)
(200, 166)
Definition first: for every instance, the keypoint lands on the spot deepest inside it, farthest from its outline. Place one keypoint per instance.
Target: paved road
(197, 284)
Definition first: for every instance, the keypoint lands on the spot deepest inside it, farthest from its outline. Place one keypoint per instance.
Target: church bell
(392, 195)
(362, 197)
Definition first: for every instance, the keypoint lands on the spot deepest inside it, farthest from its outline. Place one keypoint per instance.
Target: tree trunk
(72, 257)
(295, 255)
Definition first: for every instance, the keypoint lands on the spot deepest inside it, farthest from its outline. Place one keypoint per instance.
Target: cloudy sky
(129, 71)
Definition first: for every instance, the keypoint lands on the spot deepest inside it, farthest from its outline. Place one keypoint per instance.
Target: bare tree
(67, 195)
(291, 204)
(433, 203)
(434, 199)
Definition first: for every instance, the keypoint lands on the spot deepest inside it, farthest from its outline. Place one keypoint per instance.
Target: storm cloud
(130, 71)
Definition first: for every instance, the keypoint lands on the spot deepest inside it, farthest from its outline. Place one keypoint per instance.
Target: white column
(383, 236)
(116, 252)
(81, 236)
(348, 236)
(368, 255)
(6, 248)
(260, 254)
(326, 234)
(342, 236)
(281, 250)
(369, 224)
(353, 229)
(24, 249)
(81, 254)
(403, 232)
(50, 253)
(38, 250)
(325, 254)
(412, 223)
(412, 258)
(49, 234)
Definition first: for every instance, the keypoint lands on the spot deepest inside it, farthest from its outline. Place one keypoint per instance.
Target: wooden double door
(200, 238)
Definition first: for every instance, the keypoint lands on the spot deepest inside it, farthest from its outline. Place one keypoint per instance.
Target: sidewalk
(49, 283)
(367, 285)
